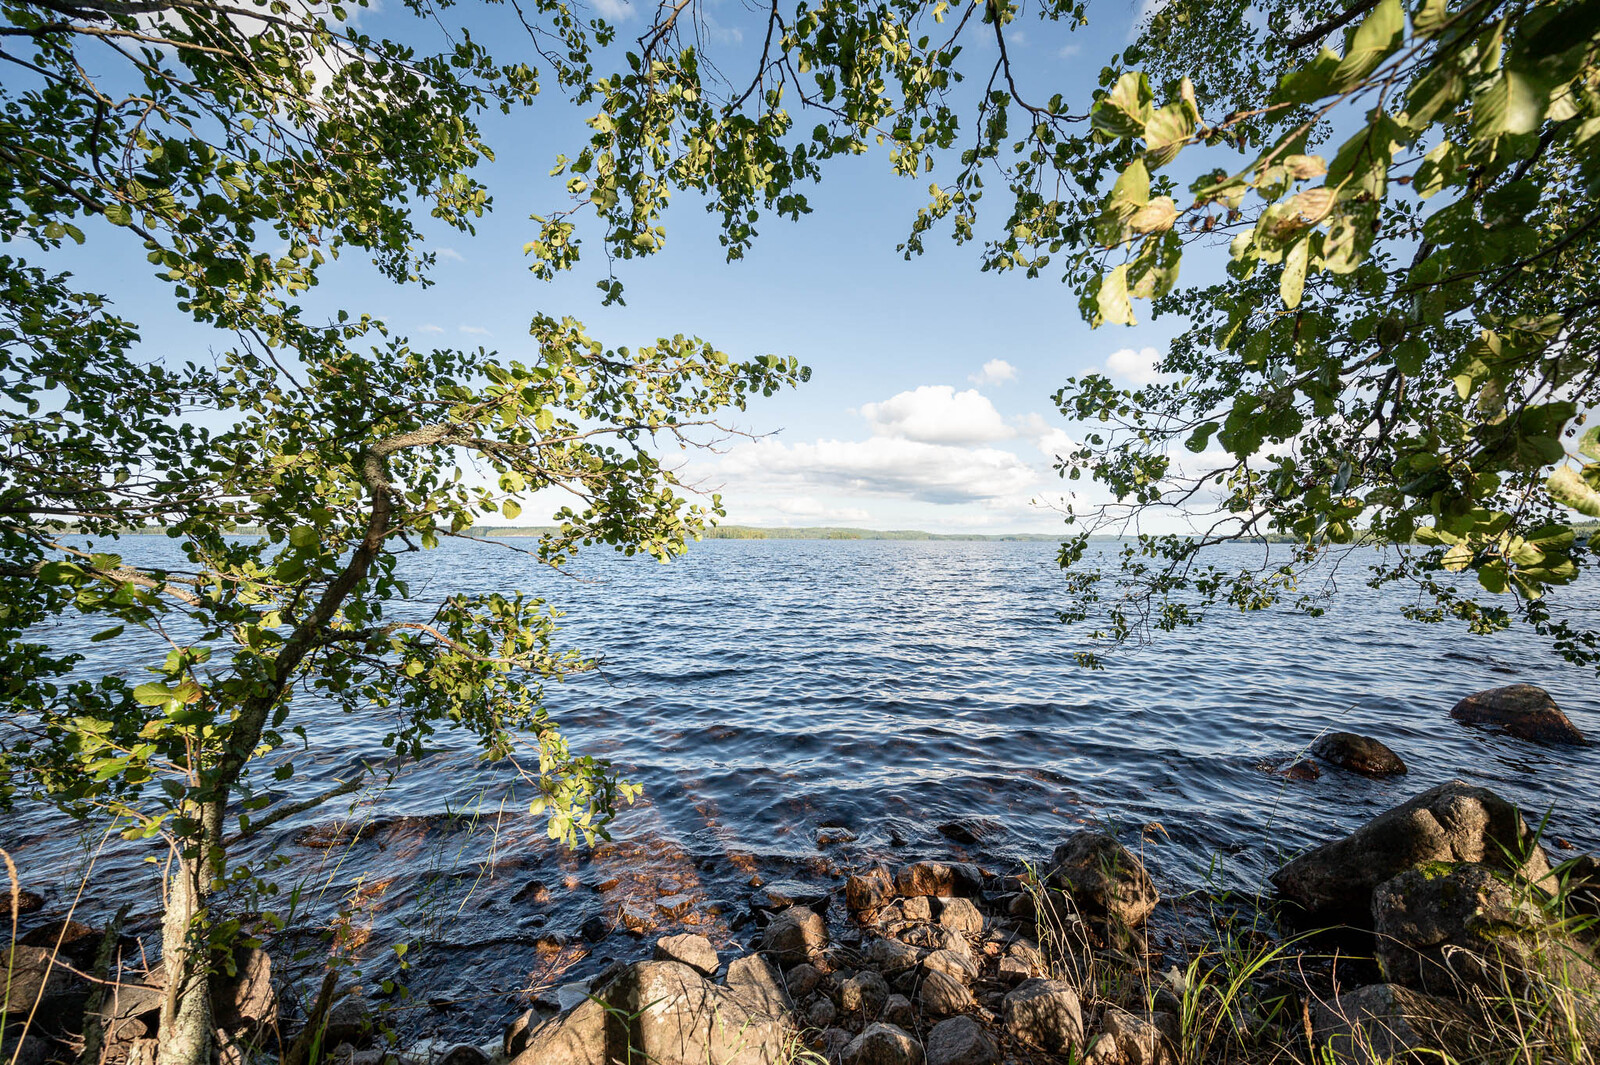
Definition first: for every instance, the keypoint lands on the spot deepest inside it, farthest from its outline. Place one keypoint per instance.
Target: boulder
(865, 892)
(890, 956)
(1359, 754)
(802, 980)
(864, 993)
(938, 879)
(349, 1021)
(667, 1013)
(941, 994)
(244, 1001)
(1442, 927)
(950, 963)
(1044, 1014)
(1378, 1024)
(752, 979)
(897, 1010)
(918, 908)
(31, 971)
(960, 915)
(883, 1044)
(1454, 822)
(694, 951)
(1106, 882)
(1522, 710)
(795, 935)
(1133, 1039)
(961, 1041)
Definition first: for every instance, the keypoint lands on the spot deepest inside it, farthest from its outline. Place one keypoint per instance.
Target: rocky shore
(1439, 927)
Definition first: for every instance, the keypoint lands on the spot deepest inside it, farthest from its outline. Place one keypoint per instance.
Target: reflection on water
(796, 707)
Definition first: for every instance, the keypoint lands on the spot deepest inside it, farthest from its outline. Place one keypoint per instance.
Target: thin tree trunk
(186, 1023)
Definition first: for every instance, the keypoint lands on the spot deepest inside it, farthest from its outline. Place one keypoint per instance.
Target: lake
(795, 709)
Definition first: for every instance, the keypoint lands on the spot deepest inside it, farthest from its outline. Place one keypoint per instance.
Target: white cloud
(994, 372)
(1134, 367)
(430, 328)
(888, 466)
(451, 254)
(614, 10)
(1067, 51)
(809, 508)
(475, 330)
(938, 414)
(1051, 440)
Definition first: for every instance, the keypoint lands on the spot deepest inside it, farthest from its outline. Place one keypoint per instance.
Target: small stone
(941, 994)
(802, 980)
(937, 937)
(1522, 710)
(794, 936)
(1359, 754)
(1012, 971)
(831, 1045)
(636, 917)
(782, 894)
(692, 950)
(675, 907)
(594, 929)
(1045, 1014)
(897, 1010)
(891, 956)
(951, 964)
(938, 878)
(918, 908)
(1305, 769)
(868, 891)
(961, 1041)
(821, 1013)
(864, 993)
(961, 915)
(883, 1044)
(533, 891)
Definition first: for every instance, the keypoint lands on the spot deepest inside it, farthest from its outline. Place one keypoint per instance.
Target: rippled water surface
(794, 708)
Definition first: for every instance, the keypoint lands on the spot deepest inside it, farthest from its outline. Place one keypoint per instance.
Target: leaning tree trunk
(186, 1025)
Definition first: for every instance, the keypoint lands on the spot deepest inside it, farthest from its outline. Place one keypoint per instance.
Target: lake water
(794, 709)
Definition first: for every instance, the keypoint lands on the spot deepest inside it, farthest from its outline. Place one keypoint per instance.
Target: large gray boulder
(1385, 1022)
(1108, 886)
(1522, 710)
(1441, 928)
(666, 1013)
(1454, 822)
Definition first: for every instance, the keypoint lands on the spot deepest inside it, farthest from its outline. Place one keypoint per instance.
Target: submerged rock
(1360, 754)
(1454, 822)
(1522, 710)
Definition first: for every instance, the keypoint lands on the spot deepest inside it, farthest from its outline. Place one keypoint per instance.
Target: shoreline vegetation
(1442, 931)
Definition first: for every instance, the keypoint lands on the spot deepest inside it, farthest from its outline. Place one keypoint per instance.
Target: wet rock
(1522, 710)
(970, 829)
(779, 895)
(939, 879)
(961, 1041)
(1305, 769)
(78, 942)
(1453, 822)
(865, 892)
(897, 1010)
(464, 1054)
(534, 891)
(694, 951)
(637, 918)
(27, 902)
(883, 1044)
(1045, 1014)
(594, 929)
(1359, 754)
(1104, 879)
(830, 837)
(940, 994)
(951, 964)
(752, 979)
(675, 907)
(865, 993)
(794, 936)
(802, 980)
(244, 1002)
(890, 956)
(1131, 1039)
(1383, 1022)
(961, 915)
(349, 1021)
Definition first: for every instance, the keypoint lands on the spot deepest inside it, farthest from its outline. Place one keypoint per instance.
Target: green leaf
(1124, 111)
(153, 693)
(1312, 81)
(304, 537)
(1377, 37)
(1589, 442)
(1571, 490)
(510, 509)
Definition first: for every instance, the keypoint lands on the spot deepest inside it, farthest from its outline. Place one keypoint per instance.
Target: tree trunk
(186, 1026)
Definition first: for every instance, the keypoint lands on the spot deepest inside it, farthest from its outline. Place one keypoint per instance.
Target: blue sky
(929, 402)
